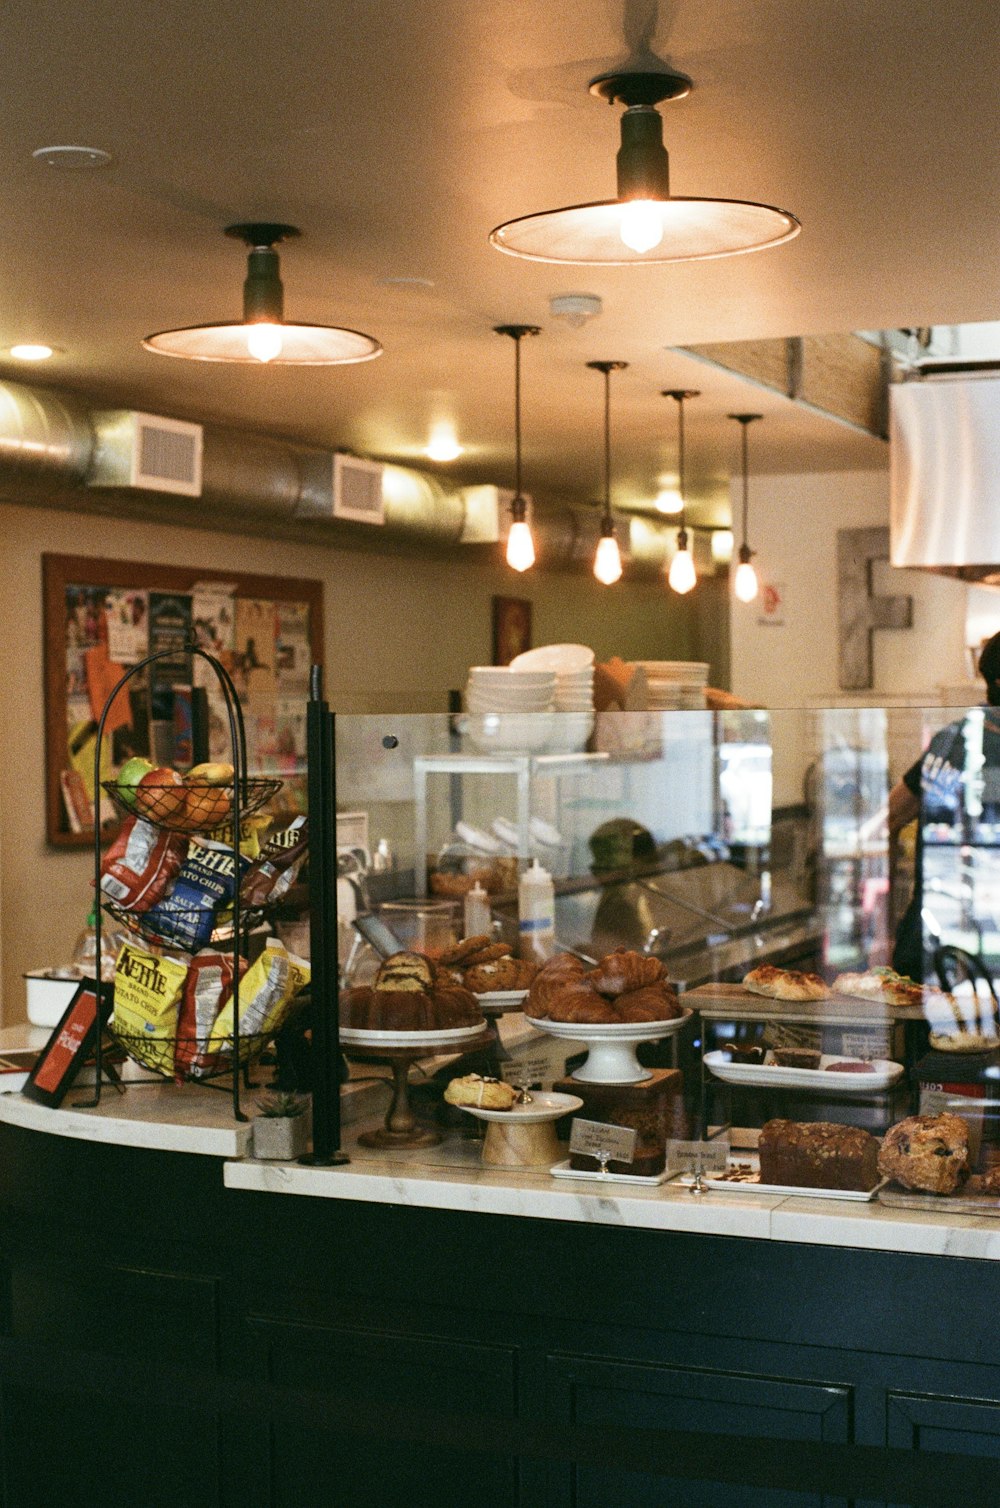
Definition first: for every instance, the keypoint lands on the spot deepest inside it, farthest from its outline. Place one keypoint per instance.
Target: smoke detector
(575, 308)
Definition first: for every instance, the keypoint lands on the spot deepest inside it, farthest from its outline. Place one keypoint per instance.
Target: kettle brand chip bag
(147, 993)
(140, 865)
(208, 986)
(206, 885)
(266, 994)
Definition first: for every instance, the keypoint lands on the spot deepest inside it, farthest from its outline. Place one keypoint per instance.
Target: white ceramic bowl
(570, 731)
(558, 657)
(502, 674)
(48, 997)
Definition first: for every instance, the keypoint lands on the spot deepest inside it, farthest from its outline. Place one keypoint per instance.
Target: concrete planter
(279, 1138)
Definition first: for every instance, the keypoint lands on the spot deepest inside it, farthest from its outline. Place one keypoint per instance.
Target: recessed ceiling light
(72, 157)
(443, 443)
(29, 351)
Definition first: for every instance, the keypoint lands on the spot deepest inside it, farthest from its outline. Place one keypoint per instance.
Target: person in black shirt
(954, 791)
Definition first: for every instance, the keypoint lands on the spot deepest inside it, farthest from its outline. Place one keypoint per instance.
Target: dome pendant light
(682, 576)
(520, 545)
(745, 584)
(645, 223)
(608, 559)
(263, 336)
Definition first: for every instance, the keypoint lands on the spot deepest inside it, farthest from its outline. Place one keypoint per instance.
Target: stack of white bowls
(509, 712)
(573, 698)
(675, 684)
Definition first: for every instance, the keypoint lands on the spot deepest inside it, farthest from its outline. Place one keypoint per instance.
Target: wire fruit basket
(192, 807)
(160, 1054)
(180, 925)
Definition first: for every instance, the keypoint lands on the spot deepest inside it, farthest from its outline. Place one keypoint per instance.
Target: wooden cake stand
(401, 1127)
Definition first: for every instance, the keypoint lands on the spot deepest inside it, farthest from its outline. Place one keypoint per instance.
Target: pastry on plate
(785, 984)
(482, 1093)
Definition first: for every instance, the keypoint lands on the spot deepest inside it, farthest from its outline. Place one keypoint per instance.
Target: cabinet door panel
(310, 1465)
(710, 1404)
(75, 1448)
(964, 1426)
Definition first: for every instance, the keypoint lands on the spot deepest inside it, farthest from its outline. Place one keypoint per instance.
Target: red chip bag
(141, 864)
(208, 986)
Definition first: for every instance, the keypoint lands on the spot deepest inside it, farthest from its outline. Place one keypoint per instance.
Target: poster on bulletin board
(104, 616)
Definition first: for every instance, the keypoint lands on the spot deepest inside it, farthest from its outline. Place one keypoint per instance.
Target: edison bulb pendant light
(745, 584)
(263, 336)
(682, 577)
(608, 559)
(645, 224)
(520, 544)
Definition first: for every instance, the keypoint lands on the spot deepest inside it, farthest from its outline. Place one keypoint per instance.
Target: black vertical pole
(324, 965)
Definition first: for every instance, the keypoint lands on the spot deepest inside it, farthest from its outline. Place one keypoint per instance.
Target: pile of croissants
(623, 987)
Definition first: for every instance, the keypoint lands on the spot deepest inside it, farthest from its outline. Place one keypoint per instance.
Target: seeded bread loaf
(818, 1155)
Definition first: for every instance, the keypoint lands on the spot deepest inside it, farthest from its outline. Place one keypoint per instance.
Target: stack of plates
(675, 684)
(573, 667)
(498, 688)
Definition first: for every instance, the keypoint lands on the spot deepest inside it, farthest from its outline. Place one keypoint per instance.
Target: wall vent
(146, 451)
(357, 490)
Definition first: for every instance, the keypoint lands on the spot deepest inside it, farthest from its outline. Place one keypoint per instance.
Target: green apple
(129, 776)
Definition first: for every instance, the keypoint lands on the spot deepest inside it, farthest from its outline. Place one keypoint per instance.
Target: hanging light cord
(607, 448)
(517, 418)
(746, 482)
(680, 460)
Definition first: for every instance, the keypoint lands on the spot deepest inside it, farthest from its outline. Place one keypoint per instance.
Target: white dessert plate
(614, 1031)
(501, 999)
(720, 1185)
(356, 1036)
(543, 1107)
(774, 1076)
(560, 658)
(563, 1170)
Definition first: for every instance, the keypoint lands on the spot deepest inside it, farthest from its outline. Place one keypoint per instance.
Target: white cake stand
(612, 1058)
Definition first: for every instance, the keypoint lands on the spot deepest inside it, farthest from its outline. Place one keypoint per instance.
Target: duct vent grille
(357, 490)
(146, 451)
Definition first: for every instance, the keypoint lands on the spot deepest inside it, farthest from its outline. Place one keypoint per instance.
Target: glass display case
(769, 929)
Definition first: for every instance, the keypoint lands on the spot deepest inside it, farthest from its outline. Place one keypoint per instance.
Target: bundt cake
(408, 995)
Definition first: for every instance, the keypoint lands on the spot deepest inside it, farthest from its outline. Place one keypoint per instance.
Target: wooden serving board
(733, 1002)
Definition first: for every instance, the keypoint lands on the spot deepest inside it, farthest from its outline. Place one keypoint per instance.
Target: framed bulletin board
(100, 616)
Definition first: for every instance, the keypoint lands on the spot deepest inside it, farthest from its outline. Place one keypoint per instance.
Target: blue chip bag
(204, 887)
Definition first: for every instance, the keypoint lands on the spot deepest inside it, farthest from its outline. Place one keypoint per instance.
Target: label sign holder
(603, 1142)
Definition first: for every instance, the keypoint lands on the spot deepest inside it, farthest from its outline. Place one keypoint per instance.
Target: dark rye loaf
(818, 1155)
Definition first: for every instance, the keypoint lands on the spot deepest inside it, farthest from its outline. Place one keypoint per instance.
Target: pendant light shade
(263, 336)
(520, 544)
(645, 223)
(745, 585)
(682, 576)
(608, 559)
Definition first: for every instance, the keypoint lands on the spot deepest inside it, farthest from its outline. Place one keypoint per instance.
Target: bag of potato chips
(266, 994)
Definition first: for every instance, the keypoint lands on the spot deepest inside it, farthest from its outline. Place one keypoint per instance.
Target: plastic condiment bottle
(536, 913)
(477, 911)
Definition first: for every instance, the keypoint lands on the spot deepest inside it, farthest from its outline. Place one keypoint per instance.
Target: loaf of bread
(926, 1152)
(818, 1155)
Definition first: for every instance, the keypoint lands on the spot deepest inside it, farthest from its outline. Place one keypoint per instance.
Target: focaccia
(881, 984)
(785, 984)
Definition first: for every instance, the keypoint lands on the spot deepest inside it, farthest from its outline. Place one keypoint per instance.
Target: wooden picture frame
(511, 628)
(61, 573)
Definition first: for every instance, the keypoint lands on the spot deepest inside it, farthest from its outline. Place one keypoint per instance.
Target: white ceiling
(397, 134)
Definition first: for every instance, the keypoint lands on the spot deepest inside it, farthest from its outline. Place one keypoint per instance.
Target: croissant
(623, 971)
(552, 978)
(578, 1002)
(655, 1002)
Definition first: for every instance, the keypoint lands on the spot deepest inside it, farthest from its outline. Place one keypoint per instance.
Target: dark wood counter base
(167, 1341)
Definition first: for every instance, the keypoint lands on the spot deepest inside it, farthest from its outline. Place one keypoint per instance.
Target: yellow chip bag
(252, 830)
(148, 993)
(266, 993)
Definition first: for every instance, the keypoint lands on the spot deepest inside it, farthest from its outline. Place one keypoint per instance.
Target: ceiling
(396, 135)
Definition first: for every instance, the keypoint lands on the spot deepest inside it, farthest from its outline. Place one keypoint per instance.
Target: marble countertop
(197, 1119)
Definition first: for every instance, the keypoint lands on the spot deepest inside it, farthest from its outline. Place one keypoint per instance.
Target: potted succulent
(280, 1132)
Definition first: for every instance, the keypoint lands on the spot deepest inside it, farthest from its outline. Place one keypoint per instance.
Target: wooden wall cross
(860, 612)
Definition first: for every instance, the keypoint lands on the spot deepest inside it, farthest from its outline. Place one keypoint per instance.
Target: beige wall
(399, 634)
(793, 526)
